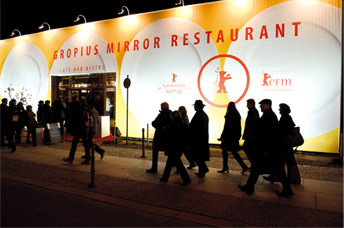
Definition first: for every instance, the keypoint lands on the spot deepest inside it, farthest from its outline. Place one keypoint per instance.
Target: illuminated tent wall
(288, 51)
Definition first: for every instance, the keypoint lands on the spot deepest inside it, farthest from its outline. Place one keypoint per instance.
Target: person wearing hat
(199, 138)
(268, 158)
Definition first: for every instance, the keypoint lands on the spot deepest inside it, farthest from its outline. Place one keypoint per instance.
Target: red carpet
(69, 137)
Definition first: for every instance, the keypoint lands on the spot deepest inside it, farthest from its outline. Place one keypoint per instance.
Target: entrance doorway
(101, 86)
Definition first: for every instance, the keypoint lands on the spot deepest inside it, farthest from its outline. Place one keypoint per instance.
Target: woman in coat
(230, 138)
(284, 128)
(187, 153)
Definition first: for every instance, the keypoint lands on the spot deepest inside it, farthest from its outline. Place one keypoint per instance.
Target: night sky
(27, 16)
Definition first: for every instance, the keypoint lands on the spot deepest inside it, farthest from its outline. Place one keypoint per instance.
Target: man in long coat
(199, 138)
(251, 124)
(160, 124)
(268, 158)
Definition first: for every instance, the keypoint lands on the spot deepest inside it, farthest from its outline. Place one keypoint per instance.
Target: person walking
(199, 138)
(268, 159)
(230, 138)
(284, 128)
(161, 122)
(94, 128)
(186, 121)
(79, 130)
(175, 145)
(250, 129)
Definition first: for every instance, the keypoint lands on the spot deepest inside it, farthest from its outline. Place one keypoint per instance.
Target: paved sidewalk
(214, 200)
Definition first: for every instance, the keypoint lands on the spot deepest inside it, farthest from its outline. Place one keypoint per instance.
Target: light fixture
(179, 2)
(78, 18)
(241, 3)
(121, 11)
(42, 25)
(15, 30)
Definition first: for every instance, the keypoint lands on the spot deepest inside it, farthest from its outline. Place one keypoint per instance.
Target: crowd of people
(67, 113)
(264, 138)
(13, 119)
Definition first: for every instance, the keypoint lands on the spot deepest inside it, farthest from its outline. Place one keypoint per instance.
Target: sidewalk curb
(181, 215)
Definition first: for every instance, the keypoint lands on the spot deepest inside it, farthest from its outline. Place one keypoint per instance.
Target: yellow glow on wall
(241, 3)
(129, 22)
(184, 12)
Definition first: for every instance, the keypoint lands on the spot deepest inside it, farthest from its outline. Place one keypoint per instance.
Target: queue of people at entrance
(264, 138)
(68, 114)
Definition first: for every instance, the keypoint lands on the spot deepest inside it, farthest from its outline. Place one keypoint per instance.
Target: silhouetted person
(20, 123)
(251, 124)
(93, 129)
(98, 103)
(59, 108)
(40, 112)
(284, 128)
(230, 138)
(175, 145)
(78, 130)
(13, 118)
(47, 118)
(31, 126)
(199, 138)
(160, 124)
(186, 121)
(268, 158)
(4, 124)
(68, 114)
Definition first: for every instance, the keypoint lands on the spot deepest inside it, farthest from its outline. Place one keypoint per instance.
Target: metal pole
(127, 110)
(143, 143)
(341, 91)
(147, 135)
(93, 170)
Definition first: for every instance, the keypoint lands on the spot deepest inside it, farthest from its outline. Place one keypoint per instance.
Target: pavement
(36, 210)
(211, 201)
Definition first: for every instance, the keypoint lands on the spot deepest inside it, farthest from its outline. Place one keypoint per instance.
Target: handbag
(295, 138)
(15, 117)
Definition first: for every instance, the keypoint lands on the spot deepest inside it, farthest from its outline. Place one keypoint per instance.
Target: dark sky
(27, 16)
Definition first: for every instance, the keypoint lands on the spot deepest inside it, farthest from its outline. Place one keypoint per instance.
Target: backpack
(88, 118)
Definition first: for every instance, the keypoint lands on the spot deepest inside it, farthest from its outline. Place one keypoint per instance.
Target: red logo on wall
(174, 87)
(222, 77)
(275, 83)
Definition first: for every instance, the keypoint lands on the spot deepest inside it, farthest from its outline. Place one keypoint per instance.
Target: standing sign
(54, 132)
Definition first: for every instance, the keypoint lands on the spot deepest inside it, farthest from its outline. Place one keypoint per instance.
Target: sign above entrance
(83, 53)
